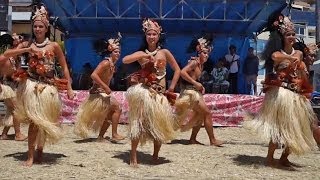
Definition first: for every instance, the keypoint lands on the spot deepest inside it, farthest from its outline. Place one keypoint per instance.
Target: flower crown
(149, 24)
(286, 25)
(203, 44)
(41, 14)
(114, 43)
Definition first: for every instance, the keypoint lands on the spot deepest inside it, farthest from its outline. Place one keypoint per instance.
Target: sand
(242, 157)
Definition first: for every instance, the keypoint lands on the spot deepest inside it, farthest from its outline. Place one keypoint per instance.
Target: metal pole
(318, 21)
(9, 19)
(316, 77)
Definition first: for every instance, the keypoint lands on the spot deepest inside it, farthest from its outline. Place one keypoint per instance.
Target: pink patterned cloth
(227, 110)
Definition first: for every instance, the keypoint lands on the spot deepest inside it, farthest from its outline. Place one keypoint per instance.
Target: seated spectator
(206, 81)
(220, 76)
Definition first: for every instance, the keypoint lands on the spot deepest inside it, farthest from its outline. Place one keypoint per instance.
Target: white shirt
(234, 64)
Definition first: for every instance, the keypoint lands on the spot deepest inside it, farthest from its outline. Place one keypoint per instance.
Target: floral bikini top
(41, 65)
(291, 75)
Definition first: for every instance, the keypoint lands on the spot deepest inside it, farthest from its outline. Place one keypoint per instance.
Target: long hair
(275, 42)
(100, 46)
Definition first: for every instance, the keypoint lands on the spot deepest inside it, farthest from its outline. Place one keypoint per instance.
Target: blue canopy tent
(230, 21)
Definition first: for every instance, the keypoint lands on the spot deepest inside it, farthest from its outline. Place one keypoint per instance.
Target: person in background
(220, 75)
(234, 61)
(250, 70)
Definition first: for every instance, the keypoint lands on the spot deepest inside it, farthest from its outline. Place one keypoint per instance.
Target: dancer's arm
(63, 63)
(20, 49)
(174, 65)
(136, 56)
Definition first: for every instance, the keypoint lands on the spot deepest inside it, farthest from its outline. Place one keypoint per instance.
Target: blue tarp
(231, 22)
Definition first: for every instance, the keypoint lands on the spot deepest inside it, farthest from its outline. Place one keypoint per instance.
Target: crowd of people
(35, 98)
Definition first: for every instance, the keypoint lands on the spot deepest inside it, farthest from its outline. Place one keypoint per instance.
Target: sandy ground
(242, 157)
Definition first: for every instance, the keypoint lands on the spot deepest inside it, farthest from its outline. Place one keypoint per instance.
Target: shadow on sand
(143, 158)
(48, 158)
(258, 161)
(180, 141)
(85, 140)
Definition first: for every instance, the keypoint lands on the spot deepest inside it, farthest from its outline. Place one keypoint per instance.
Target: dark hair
(300, 45)
(6, 40)
(275, 43)
(193, 44)
(100, 46)
(144, 44)
(232, 47)
(271, 19)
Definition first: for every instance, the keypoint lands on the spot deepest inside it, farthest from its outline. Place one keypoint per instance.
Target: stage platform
(227, 110)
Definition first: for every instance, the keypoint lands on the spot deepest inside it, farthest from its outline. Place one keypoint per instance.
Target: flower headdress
(204, 44)
(41, 14)
(286, 25)
(149, 24)
(114, 43)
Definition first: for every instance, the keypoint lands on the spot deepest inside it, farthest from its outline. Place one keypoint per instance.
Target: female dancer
(8, 66)
(286, 116)
(38, 98)
(150, 114)
(101, 109)
(191, 94)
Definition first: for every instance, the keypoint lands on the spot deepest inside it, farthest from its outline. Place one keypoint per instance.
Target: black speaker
(3, 15)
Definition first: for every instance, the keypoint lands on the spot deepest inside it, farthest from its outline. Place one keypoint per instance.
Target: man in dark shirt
(250, 70)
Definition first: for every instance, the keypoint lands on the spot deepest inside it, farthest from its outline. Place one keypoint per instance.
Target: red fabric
(227, 110)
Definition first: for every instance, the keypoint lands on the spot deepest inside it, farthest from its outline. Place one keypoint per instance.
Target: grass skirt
(285, 118)
(7, 94)
(92, 113)
(184, 104)
(150, 115)
(40, 104)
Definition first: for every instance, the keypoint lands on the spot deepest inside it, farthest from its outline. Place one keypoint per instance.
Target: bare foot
(28, 162)
(117, 138)
(4, 137)
(155, 160)
(38, 159)
(195, 142)
(102, 140)
(133, 162)
(285, 162)
(217, 143)
(271, 163)
(20, 137)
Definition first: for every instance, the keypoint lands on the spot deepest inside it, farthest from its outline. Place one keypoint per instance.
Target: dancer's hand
(294, 59)
(151, 58)
(107, 90)
(70, 94)
(32, 50)
(200, 88)
(170, 89)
